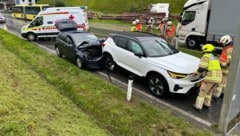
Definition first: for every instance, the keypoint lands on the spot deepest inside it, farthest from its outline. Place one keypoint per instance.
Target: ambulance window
(37, 22)
(49, 22)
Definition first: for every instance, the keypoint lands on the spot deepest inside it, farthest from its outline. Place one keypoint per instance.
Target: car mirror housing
(139, 54)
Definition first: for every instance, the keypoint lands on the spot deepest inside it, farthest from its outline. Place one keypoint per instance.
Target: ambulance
(43, 25)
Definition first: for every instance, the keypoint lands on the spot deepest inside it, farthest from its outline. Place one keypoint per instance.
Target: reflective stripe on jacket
(212, 65)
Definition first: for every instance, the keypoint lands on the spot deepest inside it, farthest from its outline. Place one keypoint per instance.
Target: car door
(134, 58)
(69, 51)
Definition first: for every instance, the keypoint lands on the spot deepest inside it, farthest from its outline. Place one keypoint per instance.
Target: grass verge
(29, 105)
(101, 101)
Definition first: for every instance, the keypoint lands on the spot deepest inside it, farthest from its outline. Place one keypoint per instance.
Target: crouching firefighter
(210, 66)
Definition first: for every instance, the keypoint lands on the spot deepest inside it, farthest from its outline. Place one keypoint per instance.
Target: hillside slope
(120, 6)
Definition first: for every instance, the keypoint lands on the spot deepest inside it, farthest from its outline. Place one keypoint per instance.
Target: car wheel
(157, 85)
(108, 62)
(31, 37)
(58, 52)
(79, 63)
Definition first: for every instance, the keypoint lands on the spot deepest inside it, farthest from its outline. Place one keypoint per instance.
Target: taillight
(103, 44)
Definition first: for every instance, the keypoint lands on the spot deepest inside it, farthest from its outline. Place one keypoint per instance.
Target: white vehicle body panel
(141, 66)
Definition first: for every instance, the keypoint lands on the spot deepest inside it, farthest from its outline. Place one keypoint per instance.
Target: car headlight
(176, 75)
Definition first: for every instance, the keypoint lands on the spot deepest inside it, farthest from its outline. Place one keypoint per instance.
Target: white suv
(165, 68)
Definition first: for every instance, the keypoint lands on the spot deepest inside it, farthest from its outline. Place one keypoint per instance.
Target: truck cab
(193, 23)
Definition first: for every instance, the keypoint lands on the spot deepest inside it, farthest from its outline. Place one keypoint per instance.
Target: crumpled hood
(179, 62)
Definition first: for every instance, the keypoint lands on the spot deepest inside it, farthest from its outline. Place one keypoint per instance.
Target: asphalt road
(182, 104)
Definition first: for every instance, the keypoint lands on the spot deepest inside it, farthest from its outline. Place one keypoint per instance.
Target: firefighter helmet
(207, 48)
(137, 20)
(169, 23)
(226, 39)
(133, 22)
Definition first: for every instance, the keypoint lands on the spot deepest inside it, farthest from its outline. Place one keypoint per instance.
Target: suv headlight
(176, 75)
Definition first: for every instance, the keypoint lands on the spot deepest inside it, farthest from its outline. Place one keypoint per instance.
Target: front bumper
(94, 64)
(182, 86)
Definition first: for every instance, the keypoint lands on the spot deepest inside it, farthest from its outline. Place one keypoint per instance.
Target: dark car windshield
(79, 39)
(156, 47)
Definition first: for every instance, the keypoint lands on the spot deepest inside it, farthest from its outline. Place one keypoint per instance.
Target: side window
(69, 41)
(37, 22)
(188, 17)
(120, 41)
(134, 47)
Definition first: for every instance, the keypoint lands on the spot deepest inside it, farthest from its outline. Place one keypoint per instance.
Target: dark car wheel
(31, 37)
(157, 85)
(79, 63)
(108, 62)
(58, 52)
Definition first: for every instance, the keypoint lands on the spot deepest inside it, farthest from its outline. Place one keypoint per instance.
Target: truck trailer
(205, 21)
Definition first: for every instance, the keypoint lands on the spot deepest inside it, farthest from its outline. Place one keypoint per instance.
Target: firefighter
(224, 59)
(210, 66)
(138, 25)
(170, 31)
(150, 23)
(133, 27)
(162, 27)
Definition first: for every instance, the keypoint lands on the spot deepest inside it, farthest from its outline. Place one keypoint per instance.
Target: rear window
(79, 39)
(120, 41)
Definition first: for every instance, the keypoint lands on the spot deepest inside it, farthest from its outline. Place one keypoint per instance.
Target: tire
(79, 63)
(108, 62)
(59, 54)
(157, 85)
(31, 37)
(192, 42)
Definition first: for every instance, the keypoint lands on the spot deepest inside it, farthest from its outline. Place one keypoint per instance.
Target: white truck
(43, 25)
(207, 20)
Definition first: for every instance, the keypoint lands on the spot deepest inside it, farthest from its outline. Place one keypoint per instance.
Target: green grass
(29, 105)
(120, 6)
(104, 103)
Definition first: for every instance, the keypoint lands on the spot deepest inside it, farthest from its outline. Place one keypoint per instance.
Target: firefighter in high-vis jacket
(210, 66)
(225, 59)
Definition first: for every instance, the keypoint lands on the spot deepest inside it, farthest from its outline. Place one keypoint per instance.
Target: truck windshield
(188, 17)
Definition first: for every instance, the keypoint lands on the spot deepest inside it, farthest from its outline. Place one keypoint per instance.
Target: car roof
(135, 35)
(77, 32)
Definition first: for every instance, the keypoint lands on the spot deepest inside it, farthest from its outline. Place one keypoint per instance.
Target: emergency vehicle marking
(54, 13)
(71, 17)
(45, 28)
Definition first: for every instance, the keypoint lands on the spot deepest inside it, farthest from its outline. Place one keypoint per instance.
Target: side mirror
(180, 17)
(139, 54)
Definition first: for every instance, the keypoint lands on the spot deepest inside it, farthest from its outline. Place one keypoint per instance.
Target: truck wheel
(31, 37)
(192, 42)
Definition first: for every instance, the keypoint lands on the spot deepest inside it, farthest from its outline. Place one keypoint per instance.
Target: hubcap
(156, 86)
(79, 63)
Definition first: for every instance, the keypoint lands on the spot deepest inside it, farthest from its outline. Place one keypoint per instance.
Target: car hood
(179, 62)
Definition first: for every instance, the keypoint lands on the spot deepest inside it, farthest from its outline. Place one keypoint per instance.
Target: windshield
(156, 47)
(79, 39)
